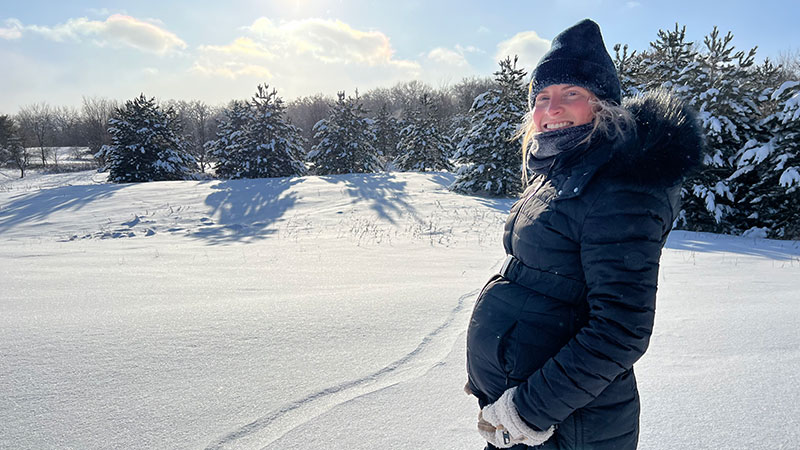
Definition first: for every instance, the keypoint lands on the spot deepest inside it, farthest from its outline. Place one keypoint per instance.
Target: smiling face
(560, 106)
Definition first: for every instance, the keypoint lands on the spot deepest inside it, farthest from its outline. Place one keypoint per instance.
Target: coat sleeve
(620, 247)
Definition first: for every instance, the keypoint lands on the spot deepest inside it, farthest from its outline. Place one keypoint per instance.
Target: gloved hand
(501, 425)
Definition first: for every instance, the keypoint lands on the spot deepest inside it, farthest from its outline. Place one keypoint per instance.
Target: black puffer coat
(575, 309)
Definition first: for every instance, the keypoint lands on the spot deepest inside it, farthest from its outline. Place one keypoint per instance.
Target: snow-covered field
(330, 312)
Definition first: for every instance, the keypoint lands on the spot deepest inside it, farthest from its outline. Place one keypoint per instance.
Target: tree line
(750, 114)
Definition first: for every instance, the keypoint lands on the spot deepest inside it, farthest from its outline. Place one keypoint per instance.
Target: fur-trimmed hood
(666, 145)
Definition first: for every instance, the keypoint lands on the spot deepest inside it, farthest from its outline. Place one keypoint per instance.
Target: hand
(497, 436)
(500, 424)
(483, 425)
(467, 389)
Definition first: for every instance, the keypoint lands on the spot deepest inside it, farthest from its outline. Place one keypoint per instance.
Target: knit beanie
(578, 56)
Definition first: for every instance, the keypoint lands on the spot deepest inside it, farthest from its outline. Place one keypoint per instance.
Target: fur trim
(668, 145)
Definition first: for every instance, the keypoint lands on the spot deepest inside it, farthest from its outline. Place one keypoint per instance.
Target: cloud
(633, 4)
(331, 41)
(447, 56)
(11, 29)
(306, 56)
(140, 35)
(527, 45)
(117, 31)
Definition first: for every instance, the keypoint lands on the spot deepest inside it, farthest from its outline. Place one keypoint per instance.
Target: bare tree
(96, 113)
(789, 61)
(66, 129)
(36, 122)
(465, 91)
(406, 95)
(305, 112)
(379, 98)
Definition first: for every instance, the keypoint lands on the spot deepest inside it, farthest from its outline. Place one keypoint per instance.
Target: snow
(783, 87)
(330, 312)
(790, 177)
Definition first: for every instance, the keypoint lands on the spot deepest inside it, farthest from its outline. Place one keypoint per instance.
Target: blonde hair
(609, 120)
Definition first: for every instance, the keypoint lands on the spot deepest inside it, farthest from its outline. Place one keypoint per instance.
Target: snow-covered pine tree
(771, 170)
(146, 144)
(276, 146)
(257, 141)
(386, 129)
(345, 140)
(491, 159)
(231, 139)
(668, 63)
(727, 110)
(11, 150)
(422, 146)
(629, 69)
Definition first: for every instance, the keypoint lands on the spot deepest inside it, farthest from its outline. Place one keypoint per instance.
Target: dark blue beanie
(578, 56)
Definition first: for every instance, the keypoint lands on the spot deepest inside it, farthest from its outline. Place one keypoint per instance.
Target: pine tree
(146, 144)
(255, 140)
(727, 110)
(278, 149)
(386, 129)
(669, 62)
(491, 158)
(345, 140)
(422, 146)
(771, 169)
(231, 139)
(11, 149)
(629, 69)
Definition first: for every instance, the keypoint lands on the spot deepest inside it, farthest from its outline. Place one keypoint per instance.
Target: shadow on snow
(40, 205)
(710, 243)
(246, 209)
(385, 194)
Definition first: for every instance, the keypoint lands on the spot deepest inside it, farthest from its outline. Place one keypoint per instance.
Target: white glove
(509, 428)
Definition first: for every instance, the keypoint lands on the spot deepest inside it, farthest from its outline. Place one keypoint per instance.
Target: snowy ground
(330, 312)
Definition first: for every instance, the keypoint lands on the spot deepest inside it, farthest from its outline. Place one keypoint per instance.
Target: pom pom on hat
(578, 56)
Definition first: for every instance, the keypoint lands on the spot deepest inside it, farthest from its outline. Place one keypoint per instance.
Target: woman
(553, 337)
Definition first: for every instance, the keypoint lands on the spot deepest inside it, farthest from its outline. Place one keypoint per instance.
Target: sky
(59, 52)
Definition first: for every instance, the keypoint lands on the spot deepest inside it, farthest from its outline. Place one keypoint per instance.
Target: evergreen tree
(669, 62)
(422, 146)
(386, 129)
(727, 109)
(146, 144)
(491, 158)
(255, 140)
(231, 139)
(629, 69)
(345, 140)
(11, 150)
(771, 169)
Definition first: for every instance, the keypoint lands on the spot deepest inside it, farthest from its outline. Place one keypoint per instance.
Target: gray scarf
(550, 144)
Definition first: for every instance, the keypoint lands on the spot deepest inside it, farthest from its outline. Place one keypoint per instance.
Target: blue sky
(216, 51)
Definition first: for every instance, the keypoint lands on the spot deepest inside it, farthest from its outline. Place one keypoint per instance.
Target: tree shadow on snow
(244, 210)
(709, 243)
(384, 193)
(39, 206)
